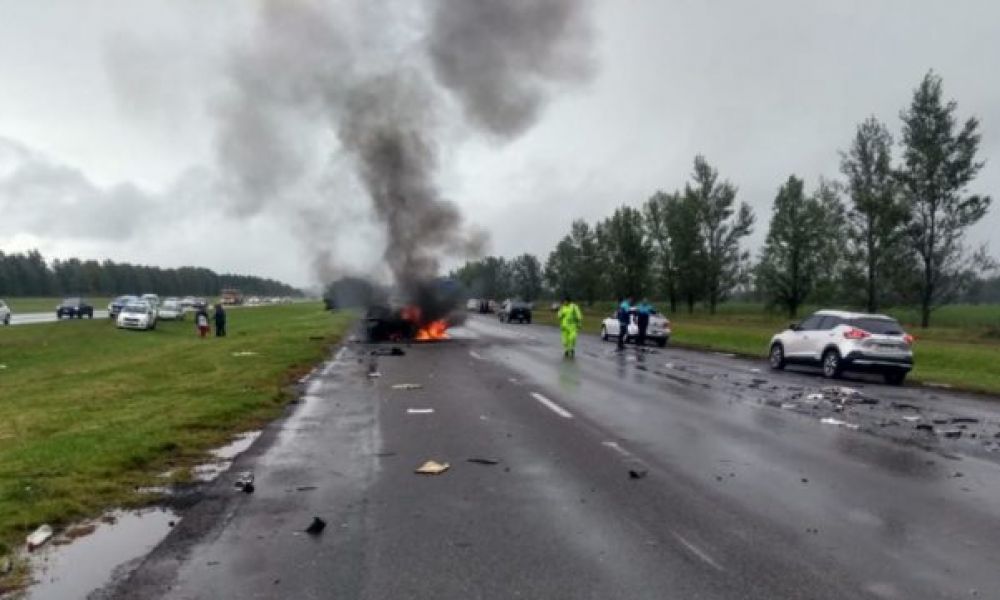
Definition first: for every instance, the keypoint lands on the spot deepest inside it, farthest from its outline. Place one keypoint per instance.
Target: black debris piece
(940, 421)
(804, 480)
(924, 427)
(952, 433)
(316, 527)
(636, 473)
(305, 488)
(394, 351)
(484, 461)
(248, 488)
(244, 482)
(316, 338)
(904, 405)
(385, 454)
(964, 420)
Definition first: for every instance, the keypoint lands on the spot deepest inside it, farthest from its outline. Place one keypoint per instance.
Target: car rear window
(881, 326)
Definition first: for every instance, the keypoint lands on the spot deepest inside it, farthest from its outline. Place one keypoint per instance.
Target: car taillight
(856, 334)
(909, 339)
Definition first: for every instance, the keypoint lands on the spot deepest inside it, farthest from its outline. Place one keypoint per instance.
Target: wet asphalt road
(740, 497)
(35, 318)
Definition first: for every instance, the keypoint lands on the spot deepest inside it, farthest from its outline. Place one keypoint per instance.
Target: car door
(799, 342)
(820, 337)
(611, 324)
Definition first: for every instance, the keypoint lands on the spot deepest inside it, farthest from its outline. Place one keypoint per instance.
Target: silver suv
(841, 341)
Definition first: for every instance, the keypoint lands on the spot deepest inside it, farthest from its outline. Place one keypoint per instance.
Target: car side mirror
(793, 326)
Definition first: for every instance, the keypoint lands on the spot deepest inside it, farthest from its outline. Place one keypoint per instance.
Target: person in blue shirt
(624, 318)
(642, 321)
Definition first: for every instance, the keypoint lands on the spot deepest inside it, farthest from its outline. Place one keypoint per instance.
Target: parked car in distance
(4, 313)
(170, 310)
(840, 341)
(514, 310)
(472, 304)
(152, 299)
(658, 330)
(115, 306)
(137, 315)
(74, 307)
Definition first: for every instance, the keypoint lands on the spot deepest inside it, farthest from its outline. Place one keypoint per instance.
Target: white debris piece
(245, 353)
(420, 411)
(39, 537)
(788, 405)
(407, 386)
(839, 423)
(911, 418)
(814, 397)
(374, 374)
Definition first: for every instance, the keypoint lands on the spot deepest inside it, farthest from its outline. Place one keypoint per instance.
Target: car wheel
(662, 342)
(528, 320)
(831, 364)
(776, 358)
(6, 320)
(604, 333)
(90, 315)
(895, 377)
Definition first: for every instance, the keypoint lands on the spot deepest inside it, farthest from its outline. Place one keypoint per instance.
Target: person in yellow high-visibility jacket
(570, 320)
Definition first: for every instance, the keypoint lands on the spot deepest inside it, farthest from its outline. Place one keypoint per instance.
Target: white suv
(844, 341)
(4, 313)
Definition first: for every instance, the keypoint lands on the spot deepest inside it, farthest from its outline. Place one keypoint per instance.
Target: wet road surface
(34, 318)
(660, 474)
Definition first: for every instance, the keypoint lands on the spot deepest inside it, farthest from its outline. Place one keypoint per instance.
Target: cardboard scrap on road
(432, 468)
(407, 386)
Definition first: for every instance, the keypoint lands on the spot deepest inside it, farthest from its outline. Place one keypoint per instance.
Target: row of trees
(29, 274)
(887, 234)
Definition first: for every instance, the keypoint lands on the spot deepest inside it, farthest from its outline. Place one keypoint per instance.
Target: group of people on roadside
(571, 319)
(201, 321)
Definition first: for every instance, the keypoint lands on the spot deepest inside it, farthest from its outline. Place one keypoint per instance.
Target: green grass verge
(88, 411)
(963, 354)
(44, 305)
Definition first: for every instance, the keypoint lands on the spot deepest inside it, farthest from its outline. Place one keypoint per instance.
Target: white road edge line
(340, 353)
(420, 411)
(475, 355)
(562, 412)
(697, 551)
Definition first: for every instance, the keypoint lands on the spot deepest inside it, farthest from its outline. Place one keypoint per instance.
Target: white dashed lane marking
(698, 552)
(562, 412)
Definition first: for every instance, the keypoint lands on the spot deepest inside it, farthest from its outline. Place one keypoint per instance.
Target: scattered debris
(483, 461)
(80, 531)
(419, 411)
(838, 422)
(432, 468)
(964, 420)
(384, 454)
(407, 386)
(911, 418)
(958, 474)
(305, 488)
(814, 397)
(316, 527)
(374, 374)
(789, 405)
(245, 353)
(755, 370)
(805, 480)
(905, 405)
(946, 386)
(394, 351)
(952, 433)
(924, 427)
(38, 537)
(637, 473)
(244, 482)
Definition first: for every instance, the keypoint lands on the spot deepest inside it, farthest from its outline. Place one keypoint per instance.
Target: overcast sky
(109, 122)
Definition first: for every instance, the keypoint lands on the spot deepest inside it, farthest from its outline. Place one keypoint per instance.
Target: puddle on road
(224, 456)
(63, 572)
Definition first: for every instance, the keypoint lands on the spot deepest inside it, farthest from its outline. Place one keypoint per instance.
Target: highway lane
(737, 496)
(35, 318)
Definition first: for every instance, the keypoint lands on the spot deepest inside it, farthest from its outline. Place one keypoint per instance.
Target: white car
(171, 310)
(152, 299)
(137, 315)
(4, 313)
(658, 330)
(841, 341)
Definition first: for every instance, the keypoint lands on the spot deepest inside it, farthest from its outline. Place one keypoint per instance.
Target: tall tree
(721, 230)
(687, 248)
(792, 262)
(526, 277)
(878, 214)
(939, 162)
(657, 216)
(627, 252)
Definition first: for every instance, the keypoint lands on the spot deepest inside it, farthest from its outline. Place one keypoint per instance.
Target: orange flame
(435, 330)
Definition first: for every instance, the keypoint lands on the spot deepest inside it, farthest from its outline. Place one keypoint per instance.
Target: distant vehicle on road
(472, 304)
(74, 307)
(658, 330)
(4, 313)
(115, 306)
(137, 315)
(171, 310)
(841, 341)
(231, 296)
(152, 299)
(514, 310)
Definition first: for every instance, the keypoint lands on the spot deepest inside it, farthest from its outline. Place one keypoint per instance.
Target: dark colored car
(74, 307)
(515, 310)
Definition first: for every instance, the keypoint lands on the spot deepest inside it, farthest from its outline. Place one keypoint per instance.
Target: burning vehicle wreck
(422, 312)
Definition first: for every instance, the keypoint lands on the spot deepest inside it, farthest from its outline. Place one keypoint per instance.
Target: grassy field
(961, 349)
(88, 412)
(36, 305)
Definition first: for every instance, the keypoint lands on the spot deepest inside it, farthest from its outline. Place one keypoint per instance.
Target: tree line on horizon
(890, 233)
(29, 274)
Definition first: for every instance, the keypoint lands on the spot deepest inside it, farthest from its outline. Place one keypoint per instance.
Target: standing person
(642, 321)
(220, 320)
(570, 320)
(201, 321)
(624, 318)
